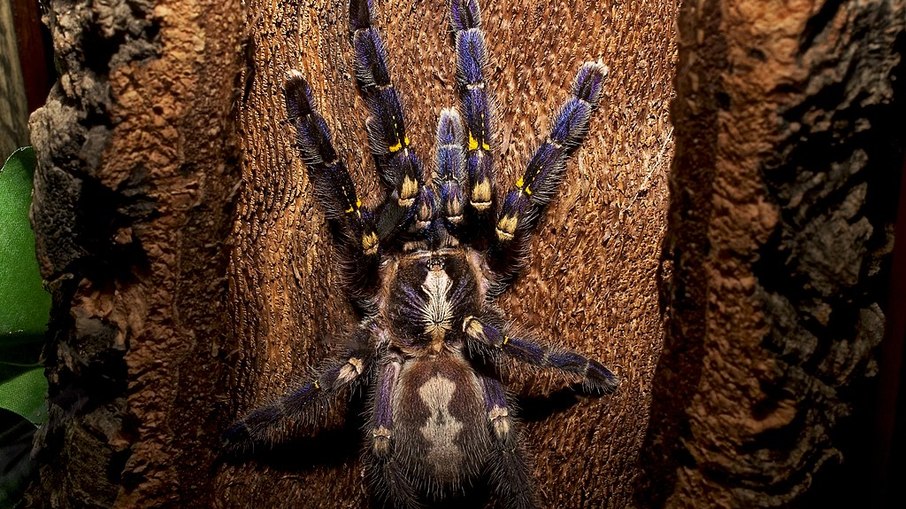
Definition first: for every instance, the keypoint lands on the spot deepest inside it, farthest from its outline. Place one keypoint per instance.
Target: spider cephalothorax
(423, 270)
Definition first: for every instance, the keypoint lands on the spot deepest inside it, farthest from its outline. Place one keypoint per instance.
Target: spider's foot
(599, 379)
(236, 440)
(590, 81)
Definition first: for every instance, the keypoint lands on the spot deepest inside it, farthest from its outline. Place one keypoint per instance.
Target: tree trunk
(783, 195)
(193, 278)
(138, 175)
(577, 291)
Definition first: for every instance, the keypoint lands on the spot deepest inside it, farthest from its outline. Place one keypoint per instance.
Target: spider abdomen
(441, 430)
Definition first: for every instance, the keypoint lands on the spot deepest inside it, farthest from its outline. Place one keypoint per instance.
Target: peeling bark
(136, 175)
(788, 151)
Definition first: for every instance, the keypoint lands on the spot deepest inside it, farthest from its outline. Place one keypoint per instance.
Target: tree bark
(193, 276)
(141, 335)
(13, 100)
(783, 195)
(137, 178)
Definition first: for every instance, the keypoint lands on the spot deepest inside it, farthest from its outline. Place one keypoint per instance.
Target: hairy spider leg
(384, 467)
(398, 166)
(305, 406)
(478, 109)
(509, 473)
(525, 203)
(450, 178)
(491, 340)
(351, 224)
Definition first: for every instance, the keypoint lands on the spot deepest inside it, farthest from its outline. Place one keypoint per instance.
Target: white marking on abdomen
(442, 428)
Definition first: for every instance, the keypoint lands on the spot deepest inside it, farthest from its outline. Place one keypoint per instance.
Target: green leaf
(24, 395)
(15, 361)
(24, 305)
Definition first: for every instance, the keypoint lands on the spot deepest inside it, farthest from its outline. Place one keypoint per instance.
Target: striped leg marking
(334, 189)
(477, 104)
(596, 377)
(306, 405)
(509, 472)
(384, 467)
(398, 166)
(524, 204)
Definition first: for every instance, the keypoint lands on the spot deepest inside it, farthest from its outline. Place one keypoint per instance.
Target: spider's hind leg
(383, 465)
(306, 406)
(523, 206)
(509, 473)
(490, 339)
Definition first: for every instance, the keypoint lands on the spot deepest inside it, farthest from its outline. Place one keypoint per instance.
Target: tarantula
(423, 270)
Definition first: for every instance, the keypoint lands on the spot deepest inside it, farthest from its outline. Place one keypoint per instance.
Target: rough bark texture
(132, 211)
(591, 285)
(789, 146)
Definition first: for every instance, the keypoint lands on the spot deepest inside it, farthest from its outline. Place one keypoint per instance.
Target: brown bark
(140, 333)
(132, 210)
(783, 197)
(13, 100)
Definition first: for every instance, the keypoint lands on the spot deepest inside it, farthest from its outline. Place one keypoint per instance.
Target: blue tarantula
(423, 270)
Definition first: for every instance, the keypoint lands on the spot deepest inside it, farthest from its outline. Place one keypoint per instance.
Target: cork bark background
(790, 147)
(133, 205)
(193, 279)
(590, 286)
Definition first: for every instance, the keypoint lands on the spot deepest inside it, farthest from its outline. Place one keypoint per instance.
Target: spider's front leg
(352, 225)
(524, 205)
(384, 467)
(450, 179)
(399, 168)
(477, 104)
(507, 467)
(490, 339)
(305, 406)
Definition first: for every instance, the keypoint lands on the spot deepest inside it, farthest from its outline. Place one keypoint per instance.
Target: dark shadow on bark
(682, 284)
